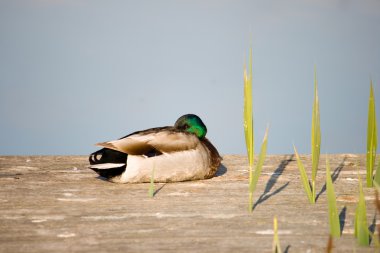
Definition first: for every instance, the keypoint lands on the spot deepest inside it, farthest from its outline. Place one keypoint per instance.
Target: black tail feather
(106, 155)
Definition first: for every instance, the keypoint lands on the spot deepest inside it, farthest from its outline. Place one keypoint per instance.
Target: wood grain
(56, 204)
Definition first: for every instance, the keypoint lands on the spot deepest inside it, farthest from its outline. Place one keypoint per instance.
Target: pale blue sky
(73, 73)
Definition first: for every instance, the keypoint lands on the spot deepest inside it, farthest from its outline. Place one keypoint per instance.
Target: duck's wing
(161, 140)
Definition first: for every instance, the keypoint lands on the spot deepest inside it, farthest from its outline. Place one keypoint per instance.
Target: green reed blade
(260, 163)
(371, 137)
(331, 200)
(304, 178)
(248, 125)
(151, 185)
(361, 225)
(248, 111)
(276, 248)
(249, 133)
(315, 134)
(377, 175)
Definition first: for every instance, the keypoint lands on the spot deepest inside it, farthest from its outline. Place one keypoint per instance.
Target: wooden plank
(56, 204)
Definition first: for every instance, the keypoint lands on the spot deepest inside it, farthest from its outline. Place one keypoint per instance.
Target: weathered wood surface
(56, 204)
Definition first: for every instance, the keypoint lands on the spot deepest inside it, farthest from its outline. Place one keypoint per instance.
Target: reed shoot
(256, 174)
(361, 225)
(151, 185)
(331, 200)
(315, 148)
(276, 241)
(249, 133)
(371, 138)
(248, 125)
(304, 178)
(330, 245)
(315, 135)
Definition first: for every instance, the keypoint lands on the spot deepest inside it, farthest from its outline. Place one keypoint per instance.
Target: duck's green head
(193, 124)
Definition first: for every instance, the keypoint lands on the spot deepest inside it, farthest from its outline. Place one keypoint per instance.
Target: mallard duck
(176, 153)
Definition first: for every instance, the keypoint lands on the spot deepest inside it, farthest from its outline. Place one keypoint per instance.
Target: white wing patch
(104, 166)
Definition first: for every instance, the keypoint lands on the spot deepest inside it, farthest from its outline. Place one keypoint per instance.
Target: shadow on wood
(272, 181)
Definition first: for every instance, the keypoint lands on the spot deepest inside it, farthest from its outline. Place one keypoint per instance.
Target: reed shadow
(334, 177)
(264, 196)
(287, 249)
(221, 170)
(342, 219)
(372, 227)
(159, 189)
(273, 180)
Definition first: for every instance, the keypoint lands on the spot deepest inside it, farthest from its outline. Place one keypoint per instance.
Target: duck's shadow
(221, 170)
